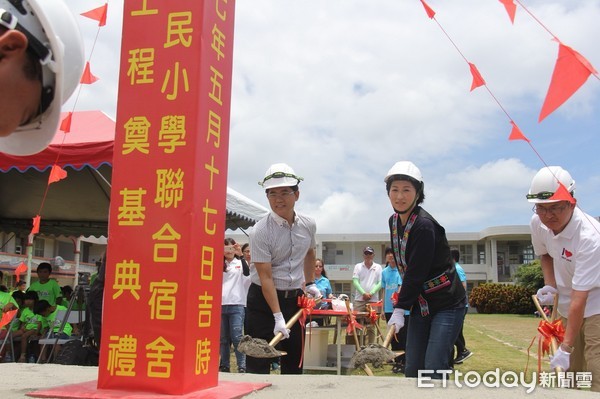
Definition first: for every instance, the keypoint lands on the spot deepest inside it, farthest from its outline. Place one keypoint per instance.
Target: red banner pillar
(162, 296)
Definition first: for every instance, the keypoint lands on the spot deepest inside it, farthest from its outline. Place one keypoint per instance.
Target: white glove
(397, 319)
(560, 359)
(313, 291)
(545, 295)
(280, 325)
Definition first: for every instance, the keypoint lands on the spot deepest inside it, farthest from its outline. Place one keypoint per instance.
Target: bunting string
(57, 173)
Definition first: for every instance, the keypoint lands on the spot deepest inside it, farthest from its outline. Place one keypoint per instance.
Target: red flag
(562, 194)
(22, 268)
(36, 225)
(516, 133)
(56, 174)
(98, 14)
(87, 77)
(570, 72)
(65, 125)
(511, 9)
(7, 317)
(477, 79)
(428, 10)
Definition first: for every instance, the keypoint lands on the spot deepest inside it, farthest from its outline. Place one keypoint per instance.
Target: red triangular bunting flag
(562, 194)
(7, 317)
(570, 72)
(22, 268)
(511, 9)
(428, 10)
(56, 174)
(98, 14)
(516, 133)
(36, 225)
(65, 125)
(477, 79)
(87, 77)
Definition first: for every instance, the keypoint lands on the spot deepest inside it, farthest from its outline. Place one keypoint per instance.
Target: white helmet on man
(406, 168)
(280, 175)
(55, 39)
(545, 183)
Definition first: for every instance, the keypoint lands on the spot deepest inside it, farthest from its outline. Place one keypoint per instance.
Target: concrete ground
(16, 380)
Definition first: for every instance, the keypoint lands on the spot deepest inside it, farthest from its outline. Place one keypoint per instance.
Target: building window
(341, 288)
(481, 252)
(466, 254)
(38, 247)
(528, 255)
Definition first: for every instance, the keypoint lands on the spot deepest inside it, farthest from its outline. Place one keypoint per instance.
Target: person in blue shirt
(324, 286)
(391, 282)
(462, 353)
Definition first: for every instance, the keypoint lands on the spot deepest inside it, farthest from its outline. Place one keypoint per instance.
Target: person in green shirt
(47, 288)
(30, 324)
(49, 321)
(7, 303)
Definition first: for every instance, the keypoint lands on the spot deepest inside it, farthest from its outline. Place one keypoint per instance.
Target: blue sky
(342, 89)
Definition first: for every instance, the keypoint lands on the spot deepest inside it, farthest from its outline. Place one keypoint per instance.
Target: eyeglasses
(318, 266)
(554, 210)
(368, 253)
(544, 195)
(283, 194)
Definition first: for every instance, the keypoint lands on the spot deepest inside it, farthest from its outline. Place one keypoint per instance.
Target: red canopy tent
(78, 205)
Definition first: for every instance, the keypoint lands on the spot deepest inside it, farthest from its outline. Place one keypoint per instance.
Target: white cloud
(342, 89)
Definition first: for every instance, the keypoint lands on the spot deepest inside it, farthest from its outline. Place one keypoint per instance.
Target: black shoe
(398, 368)
(463, 356)
(224, 369)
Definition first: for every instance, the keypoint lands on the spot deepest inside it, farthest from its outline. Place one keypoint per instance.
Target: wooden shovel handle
(279, 336)
(365, 367)
(543, 315)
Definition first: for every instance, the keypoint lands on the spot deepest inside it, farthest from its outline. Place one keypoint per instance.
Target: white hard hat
(280, 175)
(406, 168)
(55, 39)
(545, 183)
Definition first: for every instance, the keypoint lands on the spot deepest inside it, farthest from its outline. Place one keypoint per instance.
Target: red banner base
(225, 390)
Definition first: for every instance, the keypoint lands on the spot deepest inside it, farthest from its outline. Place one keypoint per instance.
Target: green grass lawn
(497, 341)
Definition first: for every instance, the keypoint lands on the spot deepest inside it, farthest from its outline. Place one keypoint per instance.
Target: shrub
(530, 275)
(502, 298)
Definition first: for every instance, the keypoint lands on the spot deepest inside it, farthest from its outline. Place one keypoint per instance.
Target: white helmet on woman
(406, 168)
(280, 175)
(545, 183)
(55, 39)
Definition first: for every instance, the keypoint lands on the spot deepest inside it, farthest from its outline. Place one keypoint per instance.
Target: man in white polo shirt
(282, 250)
(567, 240)
(366, 279)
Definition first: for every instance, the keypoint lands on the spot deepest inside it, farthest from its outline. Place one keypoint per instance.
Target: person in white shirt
(366, 279)
(233, 303)
(567, 240)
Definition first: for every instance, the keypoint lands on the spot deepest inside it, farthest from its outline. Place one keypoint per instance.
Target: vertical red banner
(162, 296)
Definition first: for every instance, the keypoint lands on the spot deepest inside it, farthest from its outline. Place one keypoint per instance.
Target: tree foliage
(530, 275)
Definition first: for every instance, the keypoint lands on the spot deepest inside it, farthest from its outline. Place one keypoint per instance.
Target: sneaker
(224, 369)
(241, 370)
(463, 356)
(275, 366)
(398, 368)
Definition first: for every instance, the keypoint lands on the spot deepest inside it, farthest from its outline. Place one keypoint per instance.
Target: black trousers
(260, 324)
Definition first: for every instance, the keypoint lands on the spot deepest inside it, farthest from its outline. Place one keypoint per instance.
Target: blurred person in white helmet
(567, 240)
(282, 250)
(41, 61)
(431, 288)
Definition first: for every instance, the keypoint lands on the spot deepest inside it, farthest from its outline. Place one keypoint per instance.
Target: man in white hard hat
(41, 61)
(282, 249)
(567, 240)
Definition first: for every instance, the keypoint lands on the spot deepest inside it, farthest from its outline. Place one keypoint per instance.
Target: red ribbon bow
(306, 304)
(548, 331)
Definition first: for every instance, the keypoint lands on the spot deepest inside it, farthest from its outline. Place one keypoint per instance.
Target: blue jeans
(232, 323)
(430, 340)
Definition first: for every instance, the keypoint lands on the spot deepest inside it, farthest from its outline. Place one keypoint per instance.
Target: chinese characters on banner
(167, 218)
